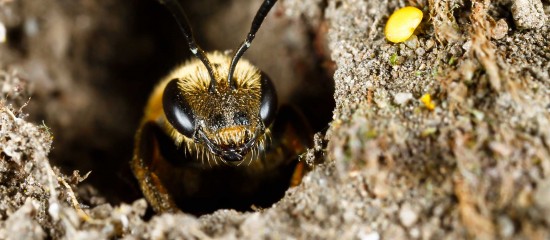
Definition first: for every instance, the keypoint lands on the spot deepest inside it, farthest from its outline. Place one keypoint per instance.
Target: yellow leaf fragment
(402, 23)
(427, 100)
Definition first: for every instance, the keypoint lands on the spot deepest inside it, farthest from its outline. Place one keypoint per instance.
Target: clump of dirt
(472, 166)
(477, 165)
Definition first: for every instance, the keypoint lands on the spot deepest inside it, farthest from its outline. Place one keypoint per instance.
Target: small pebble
(407, 215)
(402, 98)
(420, 51)
(2, 33)
(415, 233)
(506, 226)
(370, 236)
(500, 30)
(429, 44)
(412, 42)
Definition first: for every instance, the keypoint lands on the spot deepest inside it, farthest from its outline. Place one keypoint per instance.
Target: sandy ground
(74, 75)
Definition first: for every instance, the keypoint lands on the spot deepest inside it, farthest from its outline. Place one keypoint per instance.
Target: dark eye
(177, 110)
(268, 107)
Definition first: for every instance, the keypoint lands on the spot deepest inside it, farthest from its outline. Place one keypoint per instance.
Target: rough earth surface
(473, 161)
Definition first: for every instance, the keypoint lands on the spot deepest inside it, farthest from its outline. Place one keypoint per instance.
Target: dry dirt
(74, 76)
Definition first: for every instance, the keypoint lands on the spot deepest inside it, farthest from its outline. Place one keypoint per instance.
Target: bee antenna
(256, 23)
(179, 14)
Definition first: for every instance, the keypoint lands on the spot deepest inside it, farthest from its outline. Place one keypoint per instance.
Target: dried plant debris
(472, 161)
(26, 176)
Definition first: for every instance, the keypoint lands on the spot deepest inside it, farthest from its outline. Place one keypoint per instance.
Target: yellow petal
(427, 100)
(402, 23)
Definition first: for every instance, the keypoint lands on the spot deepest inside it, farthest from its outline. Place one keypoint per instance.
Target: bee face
(228, 121)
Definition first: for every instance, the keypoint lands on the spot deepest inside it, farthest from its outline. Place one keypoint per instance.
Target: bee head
(224, 104)
(230, 120)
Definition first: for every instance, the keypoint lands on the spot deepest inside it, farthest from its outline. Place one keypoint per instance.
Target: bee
(213, 135)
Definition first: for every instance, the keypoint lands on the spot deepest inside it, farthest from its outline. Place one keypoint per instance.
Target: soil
(473, 161)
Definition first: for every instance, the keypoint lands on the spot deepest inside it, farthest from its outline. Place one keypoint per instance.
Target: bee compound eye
(268, 107)
(177, 109)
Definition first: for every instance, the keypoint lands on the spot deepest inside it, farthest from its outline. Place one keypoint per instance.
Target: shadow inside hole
(144, 45)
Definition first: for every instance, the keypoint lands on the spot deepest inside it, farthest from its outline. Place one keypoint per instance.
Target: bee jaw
(231, 146)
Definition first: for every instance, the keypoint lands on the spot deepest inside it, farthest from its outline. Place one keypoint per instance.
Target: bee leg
(295, 136)
(298, 174)
(146, 155)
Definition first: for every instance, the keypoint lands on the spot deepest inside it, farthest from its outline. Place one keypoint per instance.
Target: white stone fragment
(402, 98)
(407, 215)
(3, 33)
